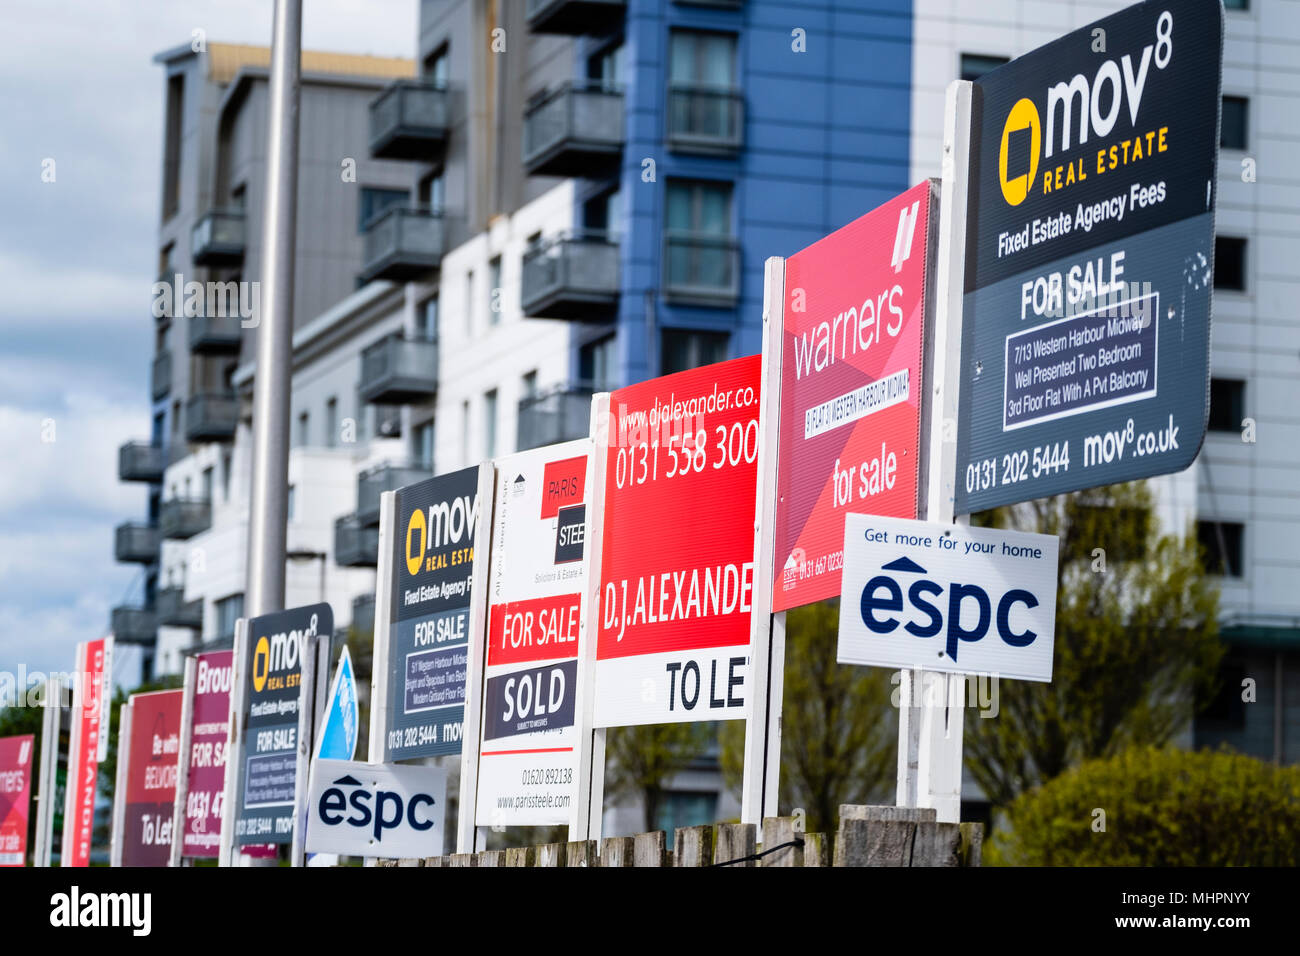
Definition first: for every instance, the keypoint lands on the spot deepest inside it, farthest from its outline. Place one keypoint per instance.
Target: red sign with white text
(850, 389)
(16, 763)
(563, 483)
(90, 726)
(151, 778)
(677, 575)
(211, 718)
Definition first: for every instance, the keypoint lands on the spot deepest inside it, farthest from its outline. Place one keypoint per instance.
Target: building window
(157, 432)
(975, 65)
(1230, 263)
(1227, 404)
(603, 214)
(688, 349)
(528, 387)
(172, 147)
(373, 203)
(596, 364)
(704, 105)
(700, 252)
(426, 319)
(494, 291)
(469, 303)
(490, 424)
(225, 476)
(1221, 544)
(176, 419)
(605, 69)
(422, 445)
(464, 431)
(1236, 4)
(684, 809)
(291, 503)
(1226, 710)
(207, 484)
(435, 68)
(432, 192)
(304, 427)
(1233, 122)
(229, 610)
(331, 422)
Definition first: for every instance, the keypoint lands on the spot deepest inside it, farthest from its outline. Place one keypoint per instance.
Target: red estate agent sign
(88, 746)
(850, 389)
(677, 574)
(15, 797)
(211, 719)
(151, 777)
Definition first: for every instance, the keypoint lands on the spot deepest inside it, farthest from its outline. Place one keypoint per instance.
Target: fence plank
(693, 846)
(971, 851)
(857, 811)
(551, 854)
(435, 861)
(776, 831)
(521, 856)
(462, 859)
(735, 841)
(582, 853)
(814, 850)
(491, 858)
(936, 844)
(617, 851)
(650, 849)
(874, 843)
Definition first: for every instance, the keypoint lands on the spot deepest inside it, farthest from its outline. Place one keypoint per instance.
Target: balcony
(162, 374)
(701, 269)
(574, 17)
(216, 334)
(402, 243)
(561, 414)
(575, 130)
(572, 277)
(140, 461)
(355, 546)
(211, 416)
(217, 239)
(408, 120)
(134, 625)
(174, 611)
(363, 613)
(182, 518)
(398, 370)
(375, 481)
(136, 543)
(705, 120)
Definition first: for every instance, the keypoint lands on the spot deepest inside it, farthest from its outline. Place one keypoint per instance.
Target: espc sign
(380, 810)
(948, 598)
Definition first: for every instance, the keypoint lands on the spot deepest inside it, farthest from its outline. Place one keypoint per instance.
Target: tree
(1150, 806)
(839, 736)
(1136, 642)
(641, 759)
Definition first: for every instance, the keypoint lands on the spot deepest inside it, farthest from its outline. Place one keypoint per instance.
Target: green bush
(1162, 807)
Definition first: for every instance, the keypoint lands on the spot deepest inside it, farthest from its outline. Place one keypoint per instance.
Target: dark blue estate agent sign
(1090, 257)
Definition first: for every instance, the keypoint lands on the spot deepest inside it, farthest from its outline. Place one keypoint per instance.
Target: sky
(77, 256)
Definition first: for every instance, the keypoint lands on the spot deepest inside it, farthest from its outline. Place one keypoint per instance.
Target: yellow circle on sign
(261, 663)
(417, 526)
(1024, 115)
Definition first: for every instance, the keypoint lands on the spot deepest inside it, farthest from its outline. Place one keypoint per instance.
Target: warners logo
(1022, 138)
(884, 593)
(380, 811)
(1096, 103)
(415, 529)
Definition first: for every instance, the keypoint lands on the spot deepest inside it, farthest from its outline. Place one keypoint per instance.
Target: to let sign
(677, 570)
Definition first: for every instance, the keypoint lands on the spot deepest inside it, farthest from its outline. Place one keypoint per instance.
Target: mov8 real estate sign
(537, 595)
(850, 389)
(677, 570)
(1090, 255)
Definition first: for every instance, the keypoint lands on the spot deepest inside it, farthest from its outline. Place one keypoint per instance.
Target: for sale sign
(677, 570)
(850, 388)
(90, 703)
(152, 762)
(433, 579)
(536, 615)
(209, 727)
(948, 598)
(16, 762)
(1090, 257)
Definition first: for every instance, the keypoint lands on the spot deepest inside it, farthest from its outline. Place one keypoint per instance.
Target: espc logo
(387, 813)
(884, 593)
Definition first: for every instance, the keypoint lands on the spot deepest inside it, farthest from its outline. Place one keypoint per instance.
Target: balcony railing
(140, 461)
(216, 334)
(572, 277)
(398, 370)
(134, 625)
(403, 242)
(355, 546)
(575, 130)
(174, 611)
(701, 269)
(408, 120)
(574, 17)
(218, 238)
(211, 416)
(386, 477)
(363, 613)
(561, 414)
(162, 374)
(181, 518)
(706, 120)
(136, 543)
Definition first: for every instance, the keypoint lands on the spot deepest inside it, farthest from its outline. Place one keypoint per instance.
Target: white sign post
(228, 853)
(117, 825)
(183, 766)
(47, 786)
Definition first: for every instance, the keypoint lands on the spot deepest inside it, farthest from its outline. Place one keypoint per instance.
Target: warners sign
(1097, 104)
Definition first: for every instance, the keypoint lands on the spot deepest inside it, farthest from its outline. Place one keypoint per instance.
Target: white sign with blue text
(947, 598)
(373, 809)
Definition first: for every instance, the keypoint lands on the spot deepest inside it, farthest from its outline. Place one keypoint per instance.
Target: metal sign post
(47, 782)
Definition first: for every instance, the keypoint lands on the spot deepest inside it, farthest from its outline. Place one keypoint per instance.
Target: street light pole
(268, 508)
